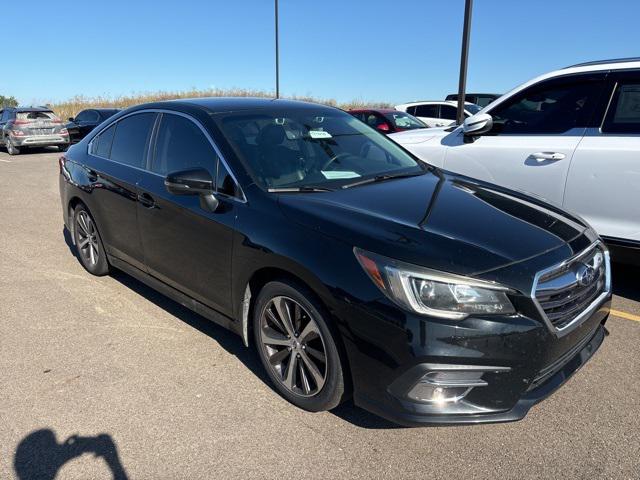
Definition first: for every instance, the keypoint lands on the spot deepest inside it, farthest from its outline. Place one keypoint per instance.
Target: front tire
(298, 346)
(88, 242)
(11, 148)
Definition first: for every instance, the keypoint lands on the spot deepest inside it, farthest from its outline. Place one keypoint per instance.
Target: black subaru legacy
(351, 267)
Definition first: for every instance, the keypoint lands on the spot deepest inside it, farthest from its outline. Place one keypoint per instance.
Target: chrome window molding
(241, 198)
(560, 332)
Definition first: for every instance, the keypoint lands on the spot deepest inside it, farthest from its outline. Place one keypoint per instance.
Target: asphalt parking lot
(103, 377)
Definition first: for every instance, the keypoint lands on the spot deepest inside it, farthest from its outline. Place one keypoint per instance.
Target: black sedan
(85, 121)
(350, 266)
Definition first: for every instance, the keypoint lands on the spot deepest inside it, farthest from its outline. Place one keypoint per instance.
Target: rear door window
(101, 145)
(429, 111)
(131, 139)
(181, 145)
(623, 115)
(88, 116)
(447, 112)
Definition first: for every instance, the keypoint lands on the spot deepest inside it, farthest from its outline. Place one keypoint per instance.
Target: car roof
(606, 62)
(475, 94)
(452, 103)
(29, 109)
(379, 110)
(229, 104)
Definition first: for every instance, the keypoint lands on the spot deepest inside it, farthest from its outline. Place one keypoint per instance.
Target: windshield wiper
(382, 178)
(305, 189)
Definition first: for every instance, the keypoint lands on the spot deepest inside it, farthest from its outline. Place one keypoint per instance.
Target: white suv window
(549, 108)
(623, 115)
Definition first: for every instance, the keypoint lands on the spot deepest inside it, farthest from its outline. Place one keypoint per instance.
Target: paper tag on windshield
(319, 134)
(335, 175)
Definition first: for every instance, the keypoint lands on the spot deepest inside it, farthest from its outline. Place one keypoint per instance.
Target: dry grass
(69, 108)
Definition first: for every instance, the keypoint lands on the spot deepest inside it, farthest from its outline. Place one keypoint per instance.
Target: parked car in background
(352, 267)
(571, 136)
(480, 99)
(388, 120)
(23, 127)
(85, 121)
(437, 113)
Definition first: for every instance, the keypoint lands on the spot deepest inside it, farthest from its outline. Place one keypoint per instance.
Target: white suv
(571, 136)
(439, 113)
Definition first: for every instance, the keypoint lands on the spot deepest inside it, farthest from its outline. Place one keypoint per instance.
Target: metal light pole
(277, 55)
(464, 57)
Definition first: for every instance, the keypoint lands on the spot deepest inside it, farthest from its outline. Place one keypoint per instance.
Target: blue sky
(344, 49)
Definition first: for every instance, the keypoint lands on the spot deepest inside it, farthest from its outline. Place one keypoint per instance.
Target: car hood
(438, 220)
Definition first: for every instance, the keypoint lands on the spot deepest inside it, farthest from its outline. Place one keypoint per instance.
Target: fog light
(446, 386)
(425, 392)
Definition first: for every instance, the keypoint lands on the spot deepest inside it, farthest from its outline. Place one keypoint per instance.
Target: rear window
(101, 145)
(131, 139)
(36, 116)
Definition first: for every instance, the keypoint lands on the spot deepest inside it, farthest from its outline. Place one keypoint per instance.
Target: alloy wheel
(11, 149)
(87, 238)
(294, 346)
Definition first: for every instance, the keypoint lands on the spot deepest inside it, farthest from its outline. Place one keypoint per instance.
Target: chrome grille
(565, 291)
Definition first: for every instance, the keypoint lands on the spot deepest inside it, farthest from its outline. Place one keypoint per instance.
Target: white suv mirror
(477, 124)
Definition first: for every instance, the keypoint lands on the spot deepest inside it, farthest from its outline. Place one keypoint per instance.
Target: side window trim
(240, 197)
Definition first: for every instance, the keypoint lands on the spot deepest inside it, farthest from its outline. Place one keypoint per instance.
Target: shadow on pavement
(231, 343)
(40, 456)
(626, 281)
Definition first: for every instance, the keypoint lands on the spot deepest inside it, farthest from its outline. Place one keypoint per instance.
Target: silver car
(22, 127)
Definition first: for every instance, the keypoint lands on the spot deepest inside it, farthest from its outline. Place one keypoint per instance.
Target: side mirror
(197, 181)
(383, 127)
(477, 124)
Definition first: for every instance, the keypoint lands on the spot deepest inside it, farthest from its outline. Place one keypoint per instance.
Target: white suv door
(604, 178)
(534, 136)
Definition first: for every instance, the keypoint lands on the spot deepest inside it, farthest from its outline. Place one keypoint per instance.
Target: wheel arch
(260, 277)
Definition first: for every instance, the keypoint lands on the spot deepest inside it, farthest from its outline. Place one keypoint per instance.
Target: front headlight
(431, 292)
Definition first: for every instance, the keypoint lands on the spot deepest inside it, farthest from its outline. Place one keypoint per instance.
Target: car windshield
(404, 121)
(472, 108)
(302, 148)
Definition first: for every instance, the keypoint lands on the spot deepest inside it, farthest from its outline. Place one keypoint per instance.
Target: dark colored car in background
(480, 99)
(23, 127)
(352, 267)
(388, 120)
(86, 120)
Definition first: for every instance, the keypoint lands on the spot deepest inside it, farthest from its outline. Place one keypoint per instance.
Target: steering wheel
(334, 158)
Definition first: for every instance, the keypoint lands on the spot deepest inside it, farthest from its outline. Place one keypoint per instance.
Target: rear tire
(298, 346)
(88, 242)
(11, 148)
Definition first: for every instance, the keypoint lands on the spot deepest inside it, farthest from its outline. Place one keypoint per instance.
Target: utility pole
(464, 58)
(277, 55)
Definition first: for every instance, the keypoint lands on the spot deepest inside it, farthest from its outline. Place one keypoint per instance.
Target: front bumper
(522, 361)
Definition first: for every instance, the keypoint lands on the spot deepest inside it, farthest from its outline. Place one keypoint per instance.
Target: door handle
(92, 175)
(147, 200)
(542, 156)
